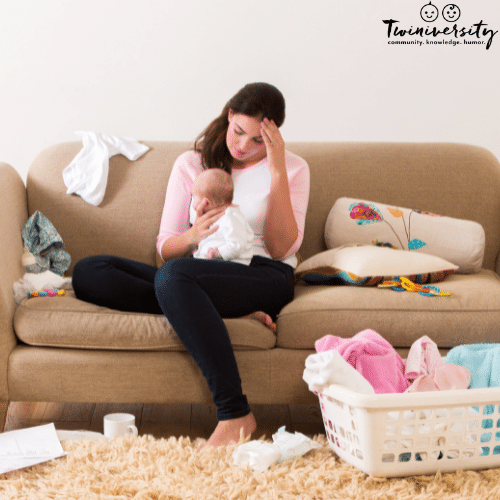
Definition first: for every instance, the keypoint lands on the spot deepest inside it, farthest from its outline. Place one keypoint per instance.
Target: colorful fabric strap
(402, 284)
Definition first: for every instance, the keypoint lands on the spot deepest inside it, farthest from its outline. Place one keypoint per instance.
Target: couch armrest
(13, 216)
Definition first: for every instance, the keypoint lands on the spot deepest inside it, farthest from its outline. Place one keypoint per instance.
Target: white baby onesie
(233, 238)
(87, 174)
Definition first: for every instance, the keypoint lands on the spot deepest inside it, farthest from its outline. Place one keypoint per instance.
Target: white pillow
(370, 265)
(365, 222)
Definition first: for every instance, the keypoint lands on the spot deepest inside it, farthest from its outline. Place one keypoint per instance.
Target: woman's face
(244, 139)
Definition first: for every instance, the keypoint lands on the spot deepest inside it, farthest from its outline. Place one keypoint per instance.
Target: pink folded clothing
(427, 371)
(373, 357)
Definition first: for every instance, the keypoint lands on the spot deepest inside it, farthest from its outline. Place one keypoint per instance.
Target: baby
(233, 238)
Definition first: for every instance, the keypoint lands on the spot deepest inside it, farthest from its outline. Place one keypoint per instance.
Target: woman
(271, 187)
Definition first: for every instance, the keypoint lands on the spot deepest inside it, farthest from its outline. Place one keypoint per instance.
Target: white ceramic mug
(119, 424)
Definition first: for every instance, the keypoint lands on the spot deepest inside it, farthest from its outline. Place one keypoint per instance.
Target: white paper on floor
(25, 447)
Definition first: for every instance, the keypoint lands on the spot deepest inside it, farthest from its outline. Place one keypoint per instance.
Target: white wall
(162, 69)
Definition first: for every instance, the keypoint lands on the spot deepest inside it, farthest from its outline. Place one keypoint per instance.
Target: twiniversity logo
(477, 34)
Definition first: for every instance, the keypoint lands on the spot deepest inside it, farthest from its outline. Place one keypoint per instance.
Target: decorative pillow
(369, 265)
(354, 221)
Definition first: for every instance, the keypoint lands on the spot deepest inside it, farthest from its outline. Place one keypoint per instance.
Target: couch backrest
(454, 180)
(126, 223)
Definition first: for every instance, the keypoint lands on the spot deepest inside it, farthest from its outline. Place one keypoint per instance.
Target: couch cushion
(69, 322)
(368, 265)
(470, 315)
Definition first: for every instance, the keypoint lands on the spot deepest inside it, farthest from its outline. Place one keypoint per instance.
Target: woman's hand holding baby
(204, 225)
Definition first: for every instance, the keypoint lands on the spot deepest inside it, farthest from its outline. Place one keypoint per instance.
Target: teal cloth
(43, 241)
(483, 361)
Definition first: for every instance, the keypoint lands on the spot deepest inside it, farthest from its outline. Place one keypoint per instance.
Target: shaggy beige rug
(144, 468)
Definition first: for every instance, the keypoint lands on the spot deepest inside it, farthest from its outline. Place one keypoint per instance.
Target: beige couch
(63, 350)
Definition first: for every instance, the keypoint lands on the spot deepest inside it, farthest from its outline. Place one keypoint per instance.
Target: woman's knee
(87, 263)
(169, 273)
(173, 280)
(86, 266)
(84, 273)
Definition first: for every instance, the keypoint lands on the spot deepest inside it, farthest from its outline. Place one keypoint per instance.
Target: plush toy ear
(28, 259)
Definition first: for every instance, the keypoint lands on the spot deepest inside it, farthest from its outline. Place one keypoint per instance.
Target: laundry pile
(368, 364)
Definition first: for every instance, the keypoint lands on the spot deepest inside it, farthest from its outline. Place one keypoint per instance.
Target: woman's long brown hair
(258, 100)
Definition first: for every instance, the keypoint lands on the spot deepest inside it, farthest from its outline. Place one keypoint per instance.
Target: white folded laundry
(87, 174)
(329, 367)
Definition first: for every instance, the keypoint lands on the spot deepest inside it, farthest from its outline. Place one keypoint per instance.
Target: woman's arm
(186, 243)
(280, 229)
(176, 238)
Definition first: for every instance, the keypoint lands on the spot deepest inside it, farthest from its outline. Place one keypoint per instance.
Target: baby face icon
(451, 13)
(429, 12)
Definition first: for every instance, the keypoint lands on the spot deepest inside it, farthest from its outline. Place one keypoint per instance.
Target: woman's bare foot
(228, 431)
(264, 318)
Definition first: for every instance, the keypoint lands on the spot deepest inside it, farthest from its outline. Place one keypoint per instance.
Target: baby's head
(214, 185)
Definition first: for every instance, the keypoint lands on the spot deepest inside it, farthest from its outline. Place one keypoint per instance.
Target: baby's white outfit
(87, 174)
(233, 238)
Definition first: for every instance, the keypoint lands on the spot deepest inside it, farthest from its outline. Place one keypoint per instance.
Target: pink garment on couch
(373, 357)
(427, 371)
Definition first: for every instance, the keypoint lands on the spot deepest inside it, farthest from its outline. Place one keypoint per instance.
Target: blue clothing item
(483, 361)
(44, 242)
(194, 295)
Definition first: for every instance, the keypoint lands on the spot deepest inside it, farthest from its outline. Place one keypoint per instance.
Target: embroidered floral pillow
(355, 221)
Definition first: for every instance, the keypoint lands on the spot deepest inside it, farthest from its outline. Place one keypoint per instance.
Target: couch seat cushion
(470, 315)
(71, 323)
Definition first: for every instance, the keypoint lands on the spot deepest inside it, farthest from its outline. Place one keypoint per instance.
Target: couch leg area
(4, 409)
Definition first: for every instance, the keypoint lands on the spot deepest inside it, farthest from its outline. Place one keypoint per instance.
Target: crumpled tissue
(260, 455)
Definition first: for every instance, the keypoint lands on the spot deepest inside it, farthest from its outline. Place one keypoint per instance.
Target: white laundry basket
(395, 435)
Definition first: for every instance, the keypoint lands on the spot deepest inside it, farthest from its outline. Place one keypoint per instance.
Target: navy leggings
(194, 295)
